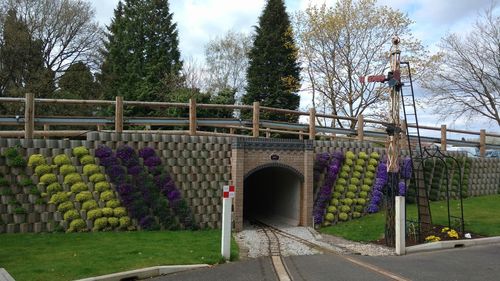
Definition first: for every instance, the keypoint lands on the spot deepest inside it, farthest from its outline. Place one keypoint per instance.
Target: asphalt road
(472, 263)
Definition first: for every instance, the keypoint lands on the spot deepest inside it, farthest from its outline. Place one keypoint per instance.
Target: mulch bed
(436, 231)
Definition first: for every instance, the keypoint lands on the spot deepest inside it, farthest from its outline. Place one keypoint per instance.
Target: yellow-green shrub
(79, 187)
(350, 155)
(71, 215)
(113, 203)
(343, 216)
(107, 195)
(100, 224)
(83, 196)
(124, 222)
(374, 155)
(43, 169)
(94, 214)
(363, 155)
(113, 222)
(80, 151)
(72, 178)
(36, 160)
(48, 179)
(59, 198)
(91, 169)
(54, 187)
(102, 186)
(67, 169)
(329, 217)
(62, 159)
(89, 205)
(65, 206)
(97, 177)
(119, 212)
(87, 159)
(77, 225)
(107, 212)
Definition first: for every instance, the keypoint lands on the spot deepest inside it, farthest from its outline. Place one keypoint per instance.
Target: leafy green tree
(141, 52)
(21, 62)
(273, 75)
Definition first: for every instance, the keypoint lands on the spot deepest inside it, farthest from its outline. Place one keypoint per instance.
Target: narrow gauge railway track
(273, 231)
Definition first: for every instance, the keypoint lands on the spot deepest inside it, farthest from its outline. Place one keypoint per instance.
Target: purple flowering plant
(103, 151)
(109, 161)
(146, 152)
(381, 178)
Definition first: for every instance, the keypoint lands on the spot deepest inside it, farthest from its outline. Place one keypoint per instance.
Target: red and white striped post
(227, 199)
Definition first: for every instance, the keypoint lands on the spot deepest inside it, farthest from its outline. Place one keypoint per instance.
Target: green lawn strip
(480, 215)
(62, 256)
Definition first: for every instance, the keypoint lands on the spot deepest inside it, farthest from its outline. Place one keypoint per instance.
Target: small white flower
(467, 235)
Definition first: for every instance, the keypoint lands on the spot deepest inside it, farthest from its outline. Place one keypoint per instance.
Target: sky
(201, 20)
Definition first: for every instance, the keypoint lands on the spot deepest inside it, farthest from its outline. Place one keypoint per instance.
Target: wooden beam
(312, 124)
(29, 116)
(256, 119)
(119, 114)
(192, 117)
(443, 137)
(482, 142)
(361, 126)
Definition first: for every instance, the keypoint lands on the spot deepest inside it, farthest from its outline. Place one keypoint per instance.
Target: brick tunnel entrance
(273, 194)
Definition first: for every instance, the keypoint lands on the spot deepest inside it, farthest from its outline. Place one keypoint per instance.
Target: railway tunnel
(273, 194)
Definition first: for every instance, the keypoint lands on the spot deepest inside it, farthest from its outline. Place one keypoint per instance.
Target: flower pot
(58, 216)
(19, 218)
(33, 217)
(12, 228)
(37, 227)
(51, 208)
(16, 189)
(6, 199)
(6, 218)
(25, 228)
(40, 208)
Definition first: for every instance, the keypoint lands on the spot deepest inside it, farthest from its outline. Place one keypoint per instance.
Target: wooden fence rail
(256, 125)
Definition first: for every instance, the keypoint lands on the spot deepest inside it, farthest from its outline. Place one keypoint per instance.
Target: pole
(400, 225)
(29, 116)
(227, 200)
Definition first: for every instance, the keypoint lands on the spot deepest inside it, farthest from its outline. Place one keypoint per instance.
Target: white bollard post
(400, 221)
(228, 194)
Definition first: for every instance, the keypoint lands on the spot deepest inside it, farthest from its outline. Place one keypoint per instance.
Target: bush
(113, 203)
(345, 209)
(332, 209)
(344, 175)
(340, 188)
(94, 214)
(343, 216)
(54, 187)
(59, 198)
(363, 194)
(124, 222)
(36, 160)
(369, 175)
(84, 196)
(119, 212)
(350, 195)
(360, 162)
(334, 202)
(375, 155)
(65, 206)
(107, 212)
(17, 162)
(72, 178)
(48, 179)
(336, 195)
(91, 169)
(348, 201)
(98, 177)
(356, 175)
(358, 168)
(67, 169)
(79, 187)
(43, 169)
(102, 186)
(77, 225)
(107, 195)
(71, 215)
(346, 169)
(80, 151)
(363, 155)
(341, 181)
(368, 181)
(372, 162)
(329, 217)
(113, 222)
(62, 159)
(361, 201)
(100, 224)
(352, 188)
(25, 182)
(349, 162)
(355, 181)
(87, 159)
(89, 205)
(358, 208)
(350, 155)
(11, 153)
(356, 214)
(371, 168)
(4, 182)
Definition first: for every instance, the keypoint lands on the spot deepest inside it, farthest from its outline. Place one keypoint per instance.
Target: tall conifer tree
(273, 75)
(141, 51)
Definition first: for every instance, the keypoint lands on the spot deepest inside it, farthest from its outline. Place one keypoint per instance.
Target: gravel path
(253, 242)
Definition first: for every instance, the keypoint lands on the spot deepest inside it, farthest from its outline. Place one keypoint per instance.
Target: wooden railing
(231, 126)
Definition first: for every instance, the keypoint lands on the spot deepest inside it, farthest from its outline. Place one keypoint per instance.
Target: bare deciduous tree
(66, 28)
(466, 79)
(227, 61)
(341, 43)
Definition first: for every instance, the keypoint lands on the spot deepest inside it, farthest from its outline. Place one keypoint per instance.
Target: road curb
(144, 272)
(5, 276)
(442, 245)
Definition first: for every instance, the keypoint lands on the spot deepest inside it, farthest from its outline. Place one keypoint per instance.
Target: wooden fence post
(361, 126)
(46, 128)
(256, 119)
(482, 142)
(29, 116)
(119, 114)
(312, 123)
(192, 117)
(443, 137)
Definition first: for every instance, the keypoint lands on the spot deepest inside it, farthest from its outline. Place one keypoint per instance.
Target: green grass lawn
(60, 256)
(481, 215)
